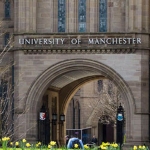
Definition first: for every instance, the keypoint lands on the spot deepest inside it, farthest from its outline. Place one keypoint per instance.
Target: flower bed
(7, 144)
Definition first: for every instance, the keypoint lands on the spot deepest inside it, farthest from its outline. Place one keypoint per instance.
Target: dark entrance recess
(108, 133)
(44, 126)
(105, 133)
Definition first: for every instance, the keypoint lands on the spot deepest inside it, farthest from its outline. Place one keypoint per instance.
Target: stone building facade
(59, 45)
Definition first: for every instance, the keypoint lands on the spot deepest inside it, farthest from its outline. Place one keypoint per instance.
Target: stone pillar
(55, 16)
(116, 15)
(126, 15)
(145, 95)
(45, 16)
(71, 16)
(114, 132)
(25, 16)
(145, 16)
(131, 15)
(93, 17)
(109, 14)
(138, 16)
(75, 16)
(88, 15)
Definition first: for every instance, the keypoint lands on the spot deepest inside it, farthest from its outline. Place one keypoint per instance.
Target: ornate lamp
(54, 117)
(62, 118)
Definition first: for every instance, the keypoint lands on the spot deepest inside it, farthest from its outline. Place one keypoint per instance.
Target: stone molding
(80, 51)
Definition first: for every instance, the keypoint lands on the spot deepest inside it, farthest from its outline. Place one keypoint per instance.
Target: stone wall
(31, 16)
(128, 66)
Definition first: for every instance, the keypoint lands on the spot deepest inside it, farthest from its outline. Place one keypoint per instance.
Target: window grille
(82, 15)
(61, 15)
(7, 9)
(102, 15)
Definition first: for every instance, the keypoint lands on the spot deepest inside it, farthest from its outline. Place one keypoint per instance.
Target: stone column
(109, 15)
(45, 16)
(93, 17)
(55, 16)
(71, 16)
(138, 16)
(131, 15)
(145, 16)
(138, 20)
(25, 15)
(114, 132)
(88, 15)
(126, 15)
(116, 15)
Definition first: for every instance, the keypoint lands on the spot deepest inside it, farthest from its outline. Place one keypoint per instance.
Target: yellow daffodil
(140, 146)
(11, 143)
(105, 144)
(52, 143)
(28, 145)
(114, 145)
(143, 147)
(24, 140)
(75, 145)
(5, 139)
(17, 143)
(38, 144)
(49, 146)
(103, 147)
(135, 147)
(8, 138)
(86, 146)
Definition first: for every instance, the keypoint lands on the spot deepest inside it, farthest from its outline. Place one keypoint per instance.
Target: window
(61, 15)
(7, 9)
(100, 85)
(102, 15)
(76, 114)
(82, 15)
(6, 38)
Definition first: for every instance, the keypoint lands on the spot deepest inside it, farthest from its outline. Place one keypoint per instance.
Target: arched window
(76, 115)
(82, 15)
(7, 9)
(61, 15)
(102, 15)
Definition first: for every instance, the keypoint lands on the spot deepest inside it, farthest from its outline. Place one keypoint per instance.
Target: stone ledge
(81, 51)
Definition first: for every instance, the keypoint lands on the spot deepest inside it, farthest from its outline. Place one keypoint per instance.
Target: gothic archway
(45, 79)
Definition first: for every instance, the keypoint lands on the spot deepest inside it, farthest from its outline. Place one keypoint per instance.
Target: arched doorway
(84, 70)
(106, 130)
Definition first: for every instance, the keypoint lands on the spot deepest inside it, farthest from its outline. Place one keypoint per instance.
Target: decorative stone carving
(80, 51)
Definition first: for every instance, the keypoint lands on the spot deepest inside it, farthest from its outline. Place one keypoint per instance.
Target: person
(74, 140)
(67, 139)
(94, 139)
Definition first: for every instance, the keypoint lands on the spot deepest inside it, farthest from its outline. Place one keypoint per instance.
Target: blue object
(102, 15)
(82, 15)
(61, 15)
(71, 140)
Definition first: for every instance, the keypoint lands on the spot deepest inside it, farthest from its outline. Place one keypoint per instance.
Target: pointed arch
(45, 79)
